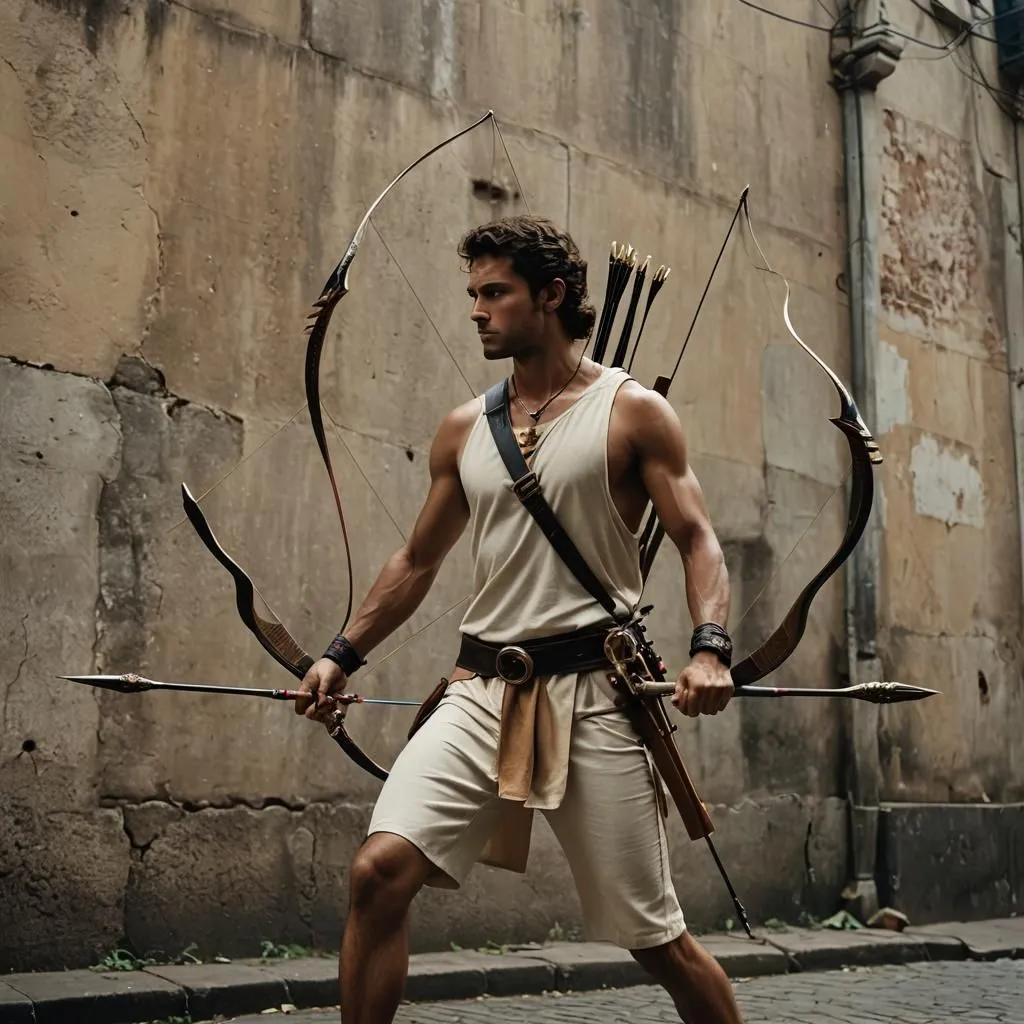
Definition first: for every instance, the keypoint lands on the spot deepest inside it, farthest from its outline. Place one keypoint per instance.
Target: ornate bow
(273, 635)
(864, 455)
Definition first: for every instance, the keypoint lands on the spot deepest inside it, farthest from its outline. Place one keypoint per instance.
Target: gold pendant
(527, 438)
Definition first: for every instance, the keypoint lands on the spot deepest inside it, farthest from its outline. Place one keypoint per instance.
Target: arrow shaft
(876, 693)
(668, 688)
(132, 683)
(788, 691)
(238, 691)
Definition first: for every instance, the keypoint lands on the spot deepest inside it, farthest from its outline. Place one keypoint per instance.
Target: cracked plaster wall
(952, 543)
(182, 175)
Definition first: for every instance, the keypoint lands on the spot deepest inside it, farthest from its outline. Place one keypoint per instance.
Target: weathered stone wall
(177, 181)
(951, 611)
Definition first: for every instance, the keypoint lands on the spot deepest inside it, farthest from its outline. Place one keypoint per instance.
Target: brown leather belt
(579, 651)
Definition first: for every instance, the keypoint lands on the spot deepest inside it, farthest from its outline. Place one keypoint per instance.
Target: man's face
(510, 320)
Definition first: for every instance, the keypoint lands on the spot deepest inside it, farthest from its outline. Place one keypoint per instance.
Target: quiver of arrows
(621, 264)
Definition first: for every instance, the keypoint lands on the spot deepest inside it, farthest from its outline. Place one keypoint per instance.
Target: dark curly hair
(539, 253)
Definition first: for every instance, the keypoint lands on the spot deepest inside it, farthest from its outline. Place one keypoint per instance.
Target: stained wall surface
(177, 182)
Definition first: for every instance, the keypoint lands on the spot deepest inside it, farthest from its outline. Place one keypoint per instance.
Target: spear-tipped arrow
(875, 693)
(131, 682)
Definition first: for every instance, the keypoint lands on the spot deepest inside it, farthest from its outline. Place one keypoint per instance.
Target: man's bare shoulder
(461, 419)
(454, 429)
(640, 408)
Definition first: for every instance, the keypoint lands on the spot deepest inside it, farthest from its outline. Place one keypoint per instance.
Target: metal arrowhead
(904, 691)
(127, 683)
(891, 692)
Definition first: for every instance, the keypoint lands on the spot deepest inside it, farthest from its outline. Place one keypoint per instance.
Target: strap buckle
(526, 486)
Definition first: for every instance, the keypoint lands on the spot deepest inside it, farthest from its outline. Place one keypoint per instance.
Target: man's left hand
(704, 687)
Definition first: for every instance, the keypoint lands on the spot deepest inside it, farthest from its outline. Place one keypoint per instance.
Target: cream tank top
(521, 588)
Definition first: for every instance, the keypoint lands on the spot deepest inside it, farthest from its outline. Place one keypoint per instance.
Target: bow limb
(356, 753)
(271, 633)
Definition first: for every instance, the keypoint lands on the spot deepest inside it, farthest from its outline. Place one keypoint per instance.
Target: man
(491, 752)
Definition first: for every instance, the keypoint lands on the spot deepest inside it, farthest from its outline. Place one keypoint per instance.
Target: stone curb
(208, 990)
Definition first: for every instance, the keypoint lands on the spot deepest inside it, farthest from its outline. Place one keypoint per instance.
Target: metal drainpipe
(862, 58)
(861, 759)
(1015, 335)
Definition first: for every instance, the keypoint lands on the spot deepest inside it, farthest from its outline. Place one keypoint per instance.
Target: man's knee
(671, 961)
(387, 871)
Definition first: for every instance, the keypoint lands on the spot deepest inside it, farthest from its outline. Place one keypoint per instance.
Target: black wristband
(709, 636)
(344, 655)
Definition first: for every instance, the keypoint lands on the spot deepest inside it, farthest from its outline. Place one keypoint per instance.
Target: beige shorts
(442, 797)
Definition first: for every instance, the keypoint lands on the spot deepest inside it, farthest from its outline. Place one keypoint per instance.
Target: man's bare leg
(694, 979)
(386, 874)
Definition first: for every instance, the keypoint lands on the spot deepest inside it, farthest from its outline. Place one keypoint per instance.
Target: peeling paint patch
(931, 241)
(947, 486)
(893, 388)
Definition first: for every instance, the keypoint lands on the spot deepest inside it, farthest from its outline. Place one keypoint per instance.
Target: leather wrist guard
(344, 655)
(709, 636)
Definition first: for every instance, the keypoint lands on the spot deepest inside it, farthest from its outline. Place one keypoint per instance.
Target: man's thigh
(612, 830)
(440, 794)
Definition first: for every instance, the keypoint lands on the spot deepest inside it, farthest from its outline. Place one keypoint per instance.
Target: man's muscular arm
(408, 574)
(704, 686)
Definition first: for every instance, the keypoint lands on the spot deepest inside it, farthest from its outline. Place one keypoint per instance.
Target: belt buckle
(522, 661)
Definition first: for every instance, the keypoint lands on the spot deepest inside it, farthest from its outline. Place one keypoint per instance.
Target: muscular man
(465, 787)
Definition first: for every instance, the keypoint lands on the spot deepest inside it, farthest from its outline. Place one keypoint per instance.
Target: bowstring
(494, 168)
(511, 165)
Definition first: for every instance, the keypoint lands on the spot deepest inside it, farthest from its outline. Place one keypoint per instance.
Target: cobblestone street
(937, 993)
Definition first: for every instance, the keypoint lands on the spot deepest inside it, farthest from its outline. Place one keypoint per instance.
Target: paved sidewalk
(921, 993)
(211, 990)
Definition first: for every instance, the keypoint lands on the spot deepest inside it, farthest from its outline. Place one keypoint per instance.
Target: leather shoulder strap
(527, 490)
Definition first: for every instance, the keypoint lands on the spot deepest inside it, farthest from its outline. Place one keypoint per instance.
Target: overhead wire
(786, 17)
(949, 48)
(945, 48)
(962, 42)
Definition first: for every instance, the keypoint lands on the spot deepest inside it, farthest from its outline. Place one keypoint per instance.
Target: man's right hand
(323, 681)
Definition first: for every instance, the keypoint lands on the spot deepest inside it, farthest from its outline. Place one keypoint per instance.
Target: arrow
(875, 693)
(130, 682)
